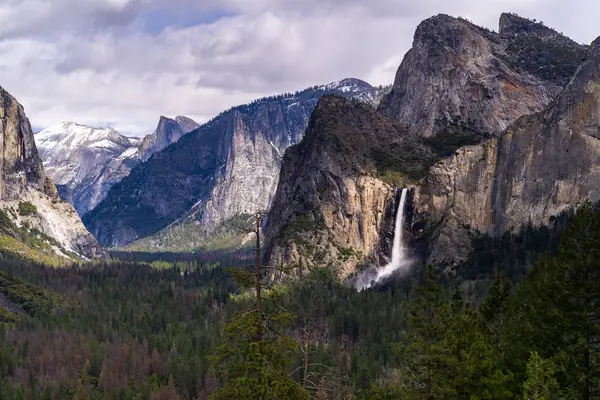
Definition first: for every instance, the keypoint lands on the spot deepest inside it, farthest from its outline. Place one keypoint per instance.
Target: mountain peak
(163, 120)
(514, 24)
(187, 124)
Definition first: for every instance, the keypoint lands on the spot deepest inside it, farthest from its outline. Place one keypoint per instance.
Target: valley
(436, 238)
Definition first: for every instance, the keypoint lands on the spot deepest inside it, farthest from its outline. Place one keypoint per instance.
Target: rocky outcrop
(461, 79)
(167, 132)
(540, 50)
(23, 180)
(332, 204)
(236, 158)
(459, 85)
(85, 162)
(541, 165)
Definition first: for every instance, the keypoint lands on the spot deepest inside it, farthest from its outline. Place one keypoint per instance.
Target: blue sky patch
(156, 21)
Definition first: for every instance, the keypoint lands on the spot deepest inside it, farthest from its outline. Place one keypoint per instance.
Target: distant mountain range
(226, 168)
(86, 162)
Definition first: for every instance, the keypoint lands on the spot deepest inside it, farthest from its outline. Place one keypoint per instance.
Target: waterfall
(370, 277)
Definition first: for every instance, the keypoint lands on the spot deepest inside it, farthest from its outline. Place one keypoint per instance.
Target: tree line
(198, 330)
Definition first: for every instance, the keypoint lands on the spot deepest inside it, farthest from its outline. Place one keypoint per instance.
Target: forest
(520, 320)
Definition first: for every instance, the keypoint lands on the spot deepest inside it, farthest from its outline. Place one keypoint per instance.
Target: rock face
(229, 166)
(167, 132)
(540, 50)
(85, 162)
(541, 165)
(333, 203)
(22, 179)
(457, 86)
(464, 80)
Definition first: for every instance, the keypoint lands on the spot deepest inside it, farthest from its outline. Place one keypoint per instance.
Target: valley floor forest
(520, 320)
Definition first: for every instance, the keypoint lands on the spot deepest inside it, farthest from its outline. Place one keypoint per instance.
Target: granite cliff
(34, 220)
(226, 168)
(461, 79)
(460, 85)
(541, 165)
(167, 132)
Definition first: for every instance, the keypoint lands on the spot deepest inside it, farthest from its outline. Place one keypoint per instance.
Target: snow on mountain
(85, 162)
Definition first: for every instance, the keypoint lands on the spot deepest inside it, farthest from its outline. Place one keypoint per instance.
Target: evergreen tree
(494, 308)
(83, 390)
(540, 383)
(557, 310)
(428, 356)
(253, 361)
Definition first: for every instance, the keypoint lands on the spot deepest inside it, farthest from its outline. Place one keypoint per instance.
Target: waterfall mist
(372, 276)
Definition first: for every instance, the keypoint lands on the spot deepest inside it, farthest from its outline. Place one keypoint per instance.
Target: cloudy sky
(124, 63)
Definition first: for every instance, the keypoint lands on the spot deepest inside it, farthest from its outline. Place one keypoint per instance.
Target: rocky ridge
(464, 80)
(85, 162)
(459, 85)
(238, 164)
(28, 198)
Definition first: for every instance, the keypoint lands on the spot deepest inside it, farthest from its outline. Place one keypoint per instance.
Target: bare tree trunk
(306, 357)
(586, 369)
(258, 281)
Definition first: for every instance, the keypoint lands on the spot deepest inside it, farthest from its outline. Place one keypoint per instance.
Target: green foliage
(407, 162)
(34, 300)
(253, 360)
(26, 209)
(428, 354)
(540, 384)
(512, 253)
(556, 312)
(394, 178)
(254, 368)
(301, 224)
(188, 235)
(126, 330)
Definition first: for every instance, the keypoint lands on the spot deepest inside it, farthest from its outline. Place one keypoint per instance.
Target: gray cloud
(125, 62)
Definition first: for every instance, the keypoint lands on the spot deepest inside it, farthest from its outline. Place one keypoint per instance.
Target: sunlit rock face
(22, 179)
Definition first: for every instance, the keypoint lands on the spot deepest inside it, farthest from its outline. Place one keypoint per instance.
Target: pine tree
(253, 360)
(557, 310)
(428, 356)
(83, 390)
(540, 383)
(494, 308)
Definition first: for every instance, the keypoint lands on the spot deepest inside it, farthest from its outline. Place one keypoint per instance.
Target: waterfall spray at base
(399, 261)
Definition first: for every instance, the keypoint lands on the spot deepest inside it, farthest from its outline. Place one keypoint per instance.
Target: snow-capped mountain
(85, 162)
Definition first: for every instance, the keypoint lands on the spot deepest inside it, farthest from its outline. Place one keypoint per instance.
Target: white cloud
(126, 62)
